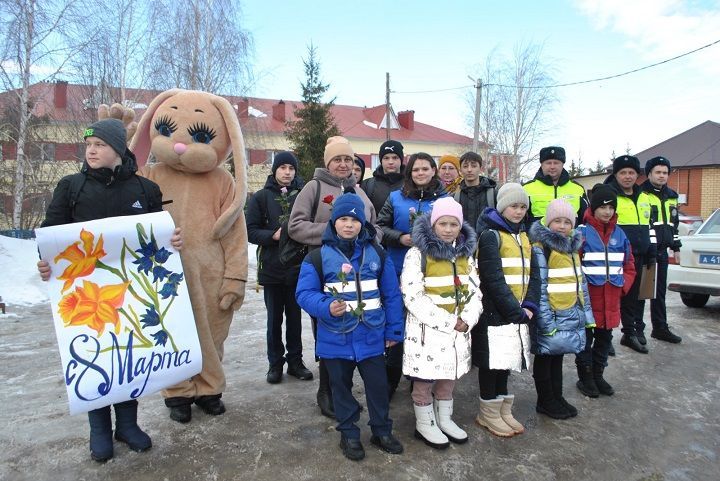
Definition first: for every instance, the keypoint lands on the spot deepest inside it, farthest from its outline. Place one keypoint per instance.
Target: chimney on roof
(242, 108)
(407, 119)
(278, 112)
(60, 94)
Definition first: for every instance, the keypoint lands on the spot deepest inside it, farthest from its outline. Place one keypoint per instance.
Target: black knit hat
(626, 161)
(602, 194)
(282, 158)
(391, 147)
(654, 162)
(111, 131)
(547, 153)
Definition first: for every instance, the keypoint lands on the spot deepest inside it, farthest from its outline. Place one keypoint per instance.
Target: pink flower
(412, 210)
(283, 190)
(346, 268)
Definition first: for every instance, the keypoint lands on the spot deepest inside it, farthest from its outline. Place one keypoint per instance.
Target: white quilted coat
(433, 348)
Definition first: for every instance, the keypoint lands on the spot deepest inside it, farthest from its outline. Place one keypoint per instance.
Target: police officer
(663, 204)
(551, 182)
(633, 211)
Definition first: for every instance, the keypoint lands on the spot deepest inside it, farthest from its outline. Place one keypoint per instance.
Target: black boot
(664, 334)
(126, 428)
(211, 404)
(101, 443)
(602, 385)
(631, 341)
(393, 367)
(557, 388)
(298, 370)
(586, 382)
(546, 403)
(180, 408)
(324, 393)
(611, 351)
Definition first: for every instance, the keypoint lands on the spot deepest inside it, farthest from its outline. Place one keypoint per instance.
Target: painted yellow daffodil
(81, 263)
(93, 306)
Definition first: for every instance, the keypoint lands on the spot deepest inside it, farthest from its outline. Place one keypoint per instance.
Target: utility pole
(476, 125)
(387, 105)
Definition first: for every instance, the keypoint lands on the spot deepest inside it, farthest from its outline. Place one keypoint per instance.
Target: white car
(697, 277)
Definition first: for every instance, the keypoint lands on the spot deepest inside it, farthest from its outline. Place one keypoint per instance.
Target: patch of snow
(255, 112)
(20, 282)
(370, 124)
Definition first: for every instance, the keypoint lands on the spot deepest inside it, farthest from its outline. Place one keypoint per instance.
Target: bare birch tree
(200, 45)
(37, 36)
(517, 104)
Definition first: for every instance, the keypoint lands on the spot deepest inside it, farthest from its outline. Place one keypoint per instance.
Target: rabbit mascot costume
(190, 134)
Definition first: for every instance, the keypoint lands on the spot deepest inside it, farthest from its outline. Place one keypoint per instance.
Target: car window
(712, 225)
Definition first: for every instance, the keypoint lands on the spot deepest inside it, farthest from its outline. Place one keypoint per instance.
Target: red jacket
(605, 299)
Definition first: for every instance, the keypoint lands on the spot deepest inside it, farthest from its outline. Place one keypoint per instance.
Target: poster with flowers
(121, 309)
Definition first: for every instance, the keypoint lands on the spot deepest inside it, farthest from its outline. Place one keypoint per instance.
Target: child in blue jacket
(356, 299)
(565, 311)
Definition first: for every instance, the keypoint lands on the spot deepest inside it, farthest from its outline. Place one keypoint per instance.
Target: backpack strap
(76, 184)
(316, 202)
(490, 197)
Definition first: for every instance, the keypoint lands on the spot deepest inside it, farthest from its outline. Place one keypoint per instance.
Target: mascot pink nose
(180, 148)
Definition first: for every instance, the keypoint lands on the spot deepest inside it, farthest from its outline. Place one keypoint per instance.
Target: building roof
(697, 147)
(258, 115)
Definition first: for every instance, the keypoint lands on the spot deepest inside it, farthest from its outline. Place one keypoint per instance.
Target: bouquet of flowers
(284, 201)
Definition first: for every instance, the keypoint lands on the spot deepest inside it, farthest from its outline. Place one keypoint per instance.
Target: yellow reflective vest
(439, 280)
(515, 256)
(541, 194)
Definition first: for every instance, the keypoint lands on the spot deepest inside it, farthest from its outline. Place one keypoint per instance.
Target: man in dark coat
(388, 176)
(266, 211)
(476, 192)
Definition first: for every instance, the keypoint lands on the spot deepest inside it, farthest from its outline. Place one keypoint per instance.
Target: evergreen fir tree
(308, 134)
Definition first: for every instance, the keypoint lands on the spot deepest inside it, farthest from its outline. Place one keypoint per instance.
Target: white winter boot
(507, 416)
(443, 415)
(427, 429)
(490, 418)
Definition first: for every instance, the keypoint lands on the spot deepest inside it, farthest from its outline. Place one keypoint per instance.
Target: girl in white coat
(440, 288)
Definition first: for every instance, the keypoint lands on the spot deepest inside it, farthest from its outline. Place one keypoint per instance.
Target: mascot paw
(120, 112)
(232, 294)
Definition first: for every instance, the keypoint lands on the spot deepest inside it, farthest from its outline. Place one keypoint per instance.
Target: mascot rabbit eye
(165, 126)
(201, 133)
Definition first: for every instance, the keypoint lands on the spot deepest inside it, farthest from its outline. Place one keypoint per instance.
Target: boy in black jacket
(266, 211)
(106, 186)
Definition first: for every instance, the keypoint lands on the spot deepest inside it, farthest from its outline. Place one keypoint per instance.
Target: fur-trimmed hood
(554, 240)
(425, 239)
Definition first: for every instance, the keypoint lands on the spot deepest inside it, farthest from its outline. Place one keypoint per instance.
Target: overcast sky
(431, 45)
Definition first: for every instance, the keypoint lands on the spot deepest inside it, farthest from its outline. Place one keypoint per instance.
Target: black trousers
(658, 309)
(493, 382)
(631, 308)
(347, 409)
(547, 370)
(279, 300)
(597, 346)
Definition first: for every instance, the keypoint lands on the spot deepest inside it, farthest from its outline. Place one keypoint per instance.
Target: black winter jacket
(263, 219)
(666, 233)
(499, 304)
(474, 199)
(638, 235)
(379, 186)
(99, 193)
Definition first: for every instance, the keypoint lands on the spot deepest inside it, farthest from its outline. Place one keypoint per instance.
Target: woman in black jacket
(267, 209)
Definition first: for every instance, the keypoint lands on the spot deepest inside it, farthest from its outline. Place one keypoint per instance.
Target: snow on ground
(20, 283)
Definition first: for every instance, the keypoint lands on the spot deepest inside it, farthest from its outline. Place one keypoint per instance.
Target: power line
(600, 79)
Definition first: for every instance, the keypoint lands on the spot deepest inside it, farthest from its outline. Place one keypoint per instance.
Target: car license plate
(713, 259)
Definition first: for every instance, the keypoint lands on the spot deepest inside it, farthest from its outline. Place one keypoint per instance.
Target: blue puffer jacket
(558, 331)
(350, 337)
(394, 218)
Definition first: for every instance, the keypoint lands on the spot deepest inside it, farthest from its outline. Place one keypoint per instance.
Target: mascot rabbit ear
(232, 124)
(140, 143)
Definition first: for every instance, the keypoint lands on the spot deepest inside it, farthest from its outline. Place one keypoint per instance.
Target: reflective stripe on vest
(564, 282)
(439, 281)
(601, 263)
(515, 262)
(542, 194)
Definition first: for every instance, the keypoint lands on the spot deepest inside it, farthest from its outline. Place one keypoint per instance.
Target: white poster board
(121, 309)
